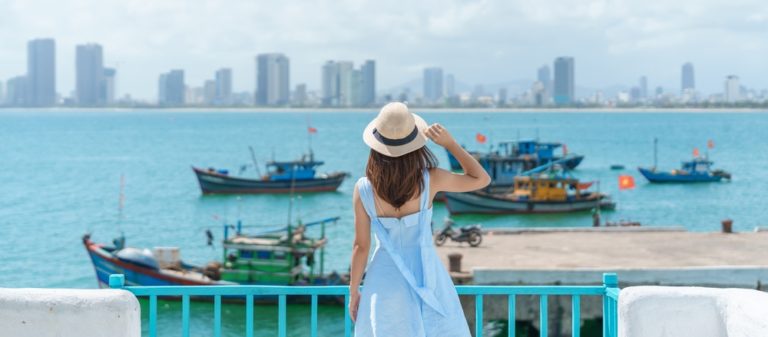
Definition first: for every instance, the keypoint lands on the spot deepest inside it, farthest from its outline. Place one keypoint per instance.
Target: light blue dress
(406, 291)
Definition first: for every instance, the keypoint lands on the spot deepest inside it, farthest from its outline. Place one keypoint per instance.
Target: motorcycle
(472, 234)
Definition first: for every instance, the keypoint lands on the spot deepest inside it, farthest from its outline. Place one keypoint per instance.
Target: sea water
(61, 178)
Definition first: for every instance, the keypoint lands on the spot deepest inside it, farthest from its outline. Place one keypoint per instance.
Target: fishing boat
(531, 195)
(297, 176)
(280, 256)
(526, 154)
(697, 170)
(694, 171)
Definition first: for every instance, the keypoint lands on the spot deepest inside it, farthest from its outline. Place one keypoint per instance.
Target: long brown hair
(397, 179)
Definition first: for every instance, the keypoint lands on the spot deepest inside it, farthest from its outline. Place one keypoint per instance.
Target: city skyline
(463, 37)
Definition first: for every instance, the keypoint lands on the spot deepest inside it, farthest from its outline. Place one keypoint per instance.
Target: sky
(481, 42)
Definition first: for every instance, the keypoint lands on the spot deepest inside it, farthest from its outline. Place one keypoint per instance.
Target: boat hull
(105, 264)
(215, 183)
(483, 203)
(571, 163)
(668, 177)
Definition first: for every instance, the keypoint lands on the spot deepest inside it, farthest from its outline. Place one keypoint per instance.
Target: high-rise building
(732, 89)
(90, 74)
(209, 92)
(433, 84)
(16, 91)
(2, 93)
(41, 72)
(450, 86)
(544, 76)
(502, 97)
(643, 86)
(223, 86)
(272, 79)
(343, 85)
(330, 84)
(171, 88)
(108, 86)
(564, 80)
(300, 95)
(368, 83)
(687, 77)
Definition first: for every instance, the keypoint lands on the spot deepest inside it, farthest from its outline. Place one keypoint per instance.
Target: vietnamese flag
(584, 186)
(710, 144)
(480, 138)
(695, 151)
(565, 149)
(311, 129)
(626, 182)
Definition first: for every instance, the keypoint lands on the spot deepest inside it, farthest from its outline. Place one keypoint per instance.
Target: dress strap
(366, 196)
(425, 192)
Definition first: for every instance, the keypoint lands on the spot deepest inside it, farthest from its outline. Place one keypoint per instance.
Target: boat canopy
(292, 170)
(699, 165)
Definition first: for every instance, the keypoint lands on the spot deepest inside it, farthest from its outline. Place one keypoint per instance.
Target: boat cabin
(302, 169)
(545, 188)
(697, 166)
(531, 148)
(503, 170)
(278, 259)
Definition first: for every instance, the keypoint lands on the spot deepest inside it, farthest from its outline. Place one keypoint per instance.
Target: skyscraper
(300, 95)
(346, 83)
(108, 86)
(223, 86)
(209, 92)
(272, 79)
(90, 74)
(330, 84)
(41, 72)
(544, 76)
(564, 80)
(732, 89)
(368, 85)
(687, 77)
(450, 86)
(171, 88)
(433, 84)
(643, 85)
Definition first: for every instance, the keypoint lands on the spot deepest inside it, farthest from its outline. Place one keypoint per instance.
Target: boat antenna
(309, 138)
(290, 199)
(253, 158)
(655, 152)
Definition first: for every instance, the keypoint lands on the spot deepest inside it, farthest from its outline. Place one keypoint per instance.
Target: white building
(732, 89)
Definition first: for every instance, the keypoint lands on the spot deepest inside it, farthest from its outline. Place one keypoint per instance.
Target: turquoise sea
(61, 177)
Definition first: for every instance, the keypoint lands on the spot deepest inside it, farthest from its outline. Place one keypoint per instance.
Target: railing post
(610, 306)
(116, 281)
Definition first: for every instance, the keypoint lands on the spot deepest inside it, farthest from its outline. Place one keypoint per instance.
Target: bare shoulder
(438, 177)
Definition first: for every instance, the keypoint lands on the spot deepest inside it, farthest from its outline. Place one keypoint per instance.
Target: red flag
(695, 152)
(565, 149)
(480, 138)
(710, 144)
(584, 186)
(311, 129)
(626, 182)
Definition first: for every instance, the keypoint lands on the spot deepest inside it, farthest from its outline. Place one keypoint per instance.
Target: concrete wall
(69, 312)
(692, 311)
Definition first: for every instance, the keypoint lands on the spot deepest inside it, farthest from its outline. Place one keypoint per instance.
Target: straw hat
(395, 131)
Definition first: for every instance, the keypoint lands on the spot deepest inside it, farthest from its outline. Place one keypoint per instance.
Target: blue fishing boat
(697, 170)
(279, 256)
(527, 153)
(297, 176)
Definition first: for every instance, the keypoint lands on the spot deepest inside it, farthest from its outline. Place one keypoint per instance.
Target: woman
(407, 290)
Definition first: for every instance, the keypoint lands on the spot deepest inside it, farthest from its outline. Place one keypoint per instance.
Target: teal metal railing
(609, 292)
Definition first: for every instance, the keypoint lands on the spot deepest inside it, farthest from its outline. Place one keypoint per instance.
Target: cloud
(614, 41)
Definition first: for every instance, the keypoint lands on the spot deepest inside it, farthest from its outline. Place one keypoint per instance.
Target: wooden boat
(282, 256)
(531, 195)
(297, 176)
(524, 154)
(695, 171)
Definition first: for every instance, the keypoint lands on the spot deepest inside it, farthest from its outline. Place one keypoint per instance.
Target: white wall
(69, 313)
(692, 311)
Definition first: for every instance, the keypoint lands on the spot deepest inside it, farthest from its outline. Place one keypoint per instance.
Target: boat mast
(253, 158)
(655, 152)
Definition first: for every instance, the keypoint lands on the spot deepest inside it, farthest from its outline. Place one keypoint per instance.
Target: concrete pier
(639, 255)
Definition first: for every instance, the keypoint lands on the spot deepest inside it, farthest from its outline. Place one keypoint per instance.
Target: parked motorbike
(472, 234)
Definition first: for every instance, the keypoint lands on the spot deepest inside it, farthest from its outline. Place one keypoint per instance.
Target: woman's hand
(438, 134)
(354, 303)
